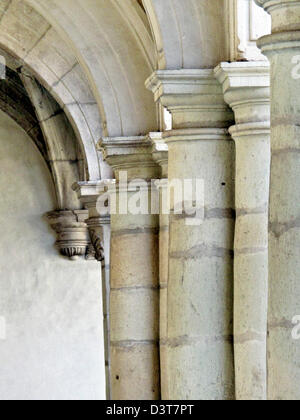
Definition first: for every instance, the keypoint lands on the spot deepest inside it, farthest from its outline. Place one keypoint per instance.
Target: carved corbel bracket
(72, 232)
(96, 235)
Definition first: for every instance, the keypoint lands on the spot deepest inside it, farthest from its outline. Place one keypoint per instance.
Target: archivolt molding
(65, 158)
(30, 38)
(41, 117)
(15, 102)
(114, 55)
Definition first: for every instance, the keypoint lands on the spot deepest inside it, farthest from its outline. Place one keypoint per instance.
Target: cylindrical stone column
(200, 277)
(134, 300)
(246, 89)
(251, 259)
(160, 155)
(200, 285)
(283, 50)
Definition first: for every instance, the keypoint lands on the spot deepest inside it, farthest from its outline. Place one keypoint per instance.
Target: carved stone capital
(246, 87)
(285, 14)
(194, 97)
(72, 232)
(160, 152)
(130, 154)
(89, 193)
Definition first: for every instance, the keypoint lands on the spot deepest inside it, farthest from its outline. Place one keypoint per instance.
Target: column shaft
(160, 155)
(134, 294)
(251, 260)
(200, 286)
(283, 51)
(163, 276)
(200, 274)
(99, 231)
(246, 90)
(134, 307)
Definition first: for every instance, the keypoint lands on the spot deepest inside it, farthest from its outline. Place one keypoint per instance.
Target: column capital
(246, 87)
(285, 25)
(131, 154)
(192, 135)
(160, 152)
(89, 193)
(194, 97)
(72, 232)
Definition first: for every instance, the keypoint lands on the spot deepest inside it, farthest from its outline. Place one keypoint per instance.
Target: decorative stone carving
(97, 244)
(89, 193)
(72, 232)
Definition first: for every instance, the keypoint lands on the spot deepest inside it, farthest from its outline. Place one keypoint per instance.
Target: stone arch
(41, 117)
(113, 45)
(188, 34)
(27, 36)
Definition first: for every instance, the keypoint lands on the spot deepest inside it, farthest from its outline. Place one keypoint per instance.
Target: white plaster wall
(52, 307)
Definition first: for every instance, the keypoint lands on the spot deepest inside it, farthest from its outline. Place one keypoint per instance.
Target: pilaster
(160, 155)
(134, 298)
(199, 149)
(246, 89)
(282, 48)
(98, 225)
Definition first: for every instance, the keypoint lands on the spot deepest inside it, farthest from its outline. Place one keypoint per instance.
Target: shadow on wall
(51, 345)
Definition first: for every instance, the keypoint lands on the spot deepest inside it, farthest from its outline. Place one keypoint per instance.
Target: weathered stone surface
(246, 89)
(284, 240)
(200, 273)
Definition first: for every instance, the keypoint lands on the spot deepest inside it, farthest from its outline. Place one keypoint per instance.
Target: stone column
(160, 155)
(283, 50)
(99, 230)
(200, 278)
(134, 302)
(247, 91)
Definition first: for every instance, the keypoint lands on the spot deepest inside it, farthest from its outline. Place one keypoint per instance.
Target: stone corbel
(72, 232)
(89, 193)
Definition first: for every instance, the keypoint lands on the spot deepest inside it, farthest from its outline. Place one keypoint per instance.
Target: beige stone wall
(52, 306)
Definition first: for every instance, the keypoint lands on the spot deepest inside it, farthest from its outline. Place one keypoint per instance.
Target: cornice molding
(246, 88)
(194, 97)
(243, 75)
(131, 154)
